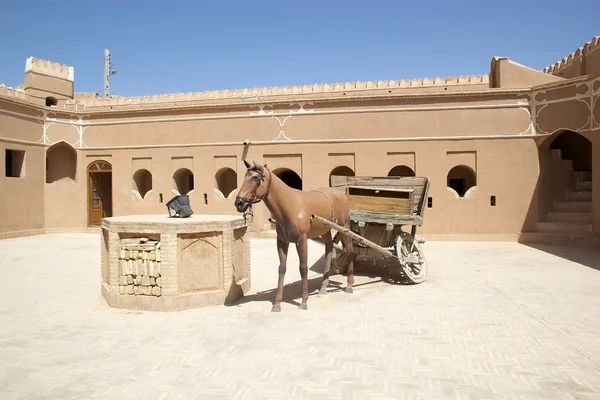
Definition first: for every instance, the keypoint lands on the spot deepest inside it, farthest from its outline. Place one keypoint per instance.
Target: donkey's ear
(258, 167)
(265, 165)
(247, 164)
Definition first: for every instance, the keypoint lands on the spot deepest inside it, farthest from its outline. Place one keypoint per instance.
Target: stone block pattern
(140, 267)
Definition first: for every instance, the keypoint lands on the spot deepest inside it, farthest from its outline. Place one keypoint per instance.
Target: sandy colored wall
(506, 73)
(18, 122)
(66, 198)
(500, 176)
(22, 198)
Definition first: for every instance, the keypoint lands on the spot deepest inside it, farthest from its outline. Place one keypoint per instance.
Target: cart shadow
(376, 272)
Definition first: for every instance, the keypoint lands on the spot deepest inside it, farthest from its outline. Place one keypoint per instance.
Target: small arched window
(51, 101)
(226, 181)
(183, 181)
(401, 170)
(341, 171)
(142, 181)
(461, 178)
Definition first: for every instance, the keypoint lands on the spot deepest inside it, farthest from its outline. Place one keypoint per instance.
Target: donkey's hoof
(349, 290)
(276, 309)
(323, 292)
(303, 306)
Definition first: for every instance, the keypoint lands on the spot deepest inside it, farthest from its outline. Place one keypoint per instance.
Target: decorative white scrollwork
(281, 132)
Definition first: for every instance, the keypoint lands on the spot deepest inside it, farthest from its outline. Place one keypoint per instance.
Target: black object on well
(181, 205)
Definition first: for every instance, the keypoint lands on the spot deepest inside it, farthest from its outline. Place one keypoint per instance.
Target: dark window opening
(461, 178)
(14, 163)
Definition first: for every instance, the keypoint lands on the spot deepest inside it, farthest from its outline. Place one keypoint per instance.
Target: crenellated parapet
(13, 93)
(50, 68)
(291, 91)
(580, 52)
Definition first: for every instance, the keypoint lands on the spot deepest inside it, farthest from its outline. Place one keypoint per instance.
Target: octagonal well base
(153, 262)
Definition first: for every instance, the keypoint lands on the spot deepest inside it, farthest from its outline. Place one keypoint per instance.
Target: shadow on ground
(581, 255)
(366, 273)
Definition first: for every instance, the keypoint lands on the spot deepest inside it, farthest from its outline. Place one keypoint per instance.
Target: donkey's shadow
(365, 268)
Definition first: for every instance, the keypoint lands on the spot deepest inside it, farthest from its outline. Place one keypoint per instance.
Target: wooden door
(95, 207)
(99, 191)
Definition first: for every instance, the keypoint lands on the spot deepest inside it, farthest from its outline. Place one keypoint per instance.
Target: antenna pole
(107, 73)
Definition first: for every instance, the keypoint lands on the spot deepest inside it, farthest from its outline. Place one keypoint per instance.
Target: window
(461, 178)
(183, 181)
(226, 181)
(142, 182)
(14, 166)
(51, 101)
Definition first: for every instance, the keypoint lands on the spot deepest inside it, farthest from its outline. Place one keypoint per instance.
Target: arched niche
(289, 177)
(61, 163)
(461, 178)
(401, 170)
(341, 171)
(226, 181)
(142, 182)
(183, 181)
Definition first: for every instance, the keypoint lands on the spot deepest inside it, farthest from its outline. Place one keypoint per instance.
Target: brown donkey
(292, 210)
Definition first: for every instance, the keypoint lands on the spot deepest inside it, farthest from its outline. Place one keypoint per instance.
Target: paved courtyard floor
(492, 321)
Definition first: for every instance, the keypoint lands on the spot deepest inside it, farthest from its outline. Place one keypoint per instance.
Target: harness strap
(333, 218)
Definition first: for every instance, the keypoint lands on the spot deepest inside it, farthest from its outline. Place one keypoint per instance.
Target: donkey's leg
(351, 256)
(282, 249)
(302, 247)
(328, 258)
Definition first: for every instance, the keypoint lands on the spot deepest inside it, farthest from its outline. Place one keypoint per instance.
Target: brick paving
(492, 321)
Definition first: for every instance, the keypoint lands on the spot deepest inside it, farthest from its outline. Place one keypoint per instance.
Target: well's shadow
(366, 272)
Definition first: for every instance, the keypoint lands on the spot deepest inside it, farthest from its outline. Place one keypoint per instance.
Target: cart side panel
(417, 183)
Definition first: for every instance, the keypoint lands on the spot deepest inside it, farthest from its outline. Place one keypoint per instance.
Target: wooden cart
(379, 208)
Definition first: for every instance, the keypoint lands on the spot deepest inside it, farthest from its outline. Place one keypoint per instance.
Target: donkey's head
(255, 186)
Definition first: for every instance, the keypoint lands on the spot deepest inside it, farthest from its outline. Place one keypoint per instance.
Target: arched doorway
(574, 146)
(341, 171)
(566, 176)
(99, 191)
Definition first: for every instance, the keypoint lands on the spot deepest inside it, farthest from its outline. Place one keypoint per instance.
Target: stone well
(153, 262)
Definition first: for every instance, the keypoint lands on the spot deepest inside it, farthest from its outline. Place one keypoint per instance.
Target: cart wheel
(415, 267)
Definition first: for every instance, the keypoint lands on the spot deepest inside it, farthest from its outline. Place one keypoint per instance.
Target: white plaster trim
(577, 97)
(28, 64)
(219, 193)
(281, 132)
(306, 141)
(288, 113)
(71, 74)
(138, 195)
(452, 194)
(471, 192)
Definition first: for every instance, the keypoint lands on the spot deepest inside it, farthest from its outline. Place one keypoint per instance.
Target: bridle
(252, 199)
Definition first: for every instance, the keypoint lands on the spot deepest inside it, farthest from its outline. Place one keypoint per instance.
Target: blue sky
(179, 46)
